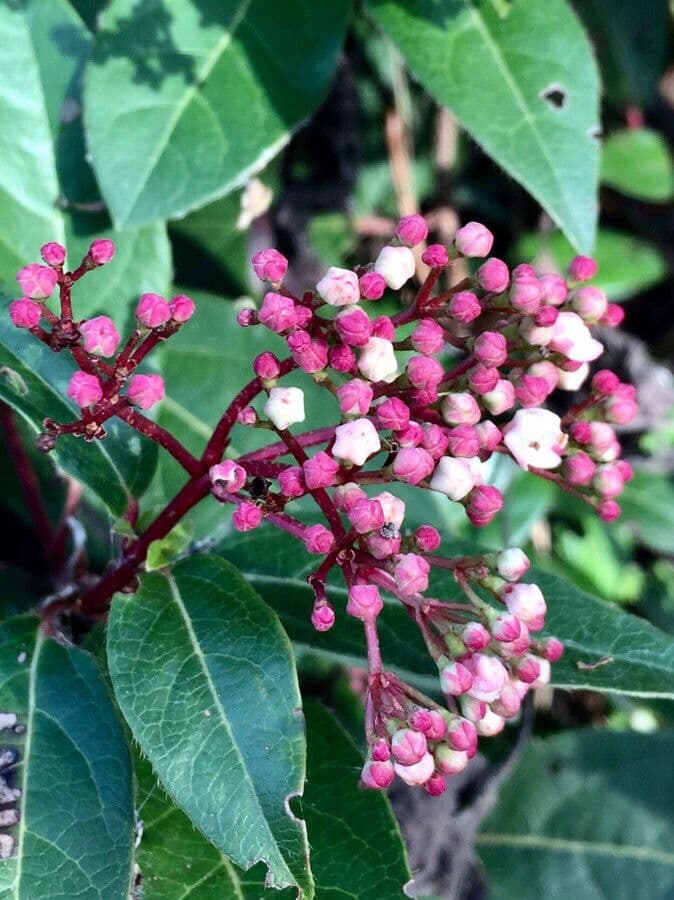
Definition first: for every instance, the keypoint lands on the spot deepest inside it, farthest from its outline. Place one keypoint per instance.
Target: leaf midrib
(568, 845)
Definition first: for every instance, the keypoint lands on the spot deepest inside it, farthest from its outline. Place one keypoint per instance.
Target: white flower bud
(377, 360)
(339, 287)
(456, 477)
(285, 406)
(535, 438)
(395, 265)
(356, 441)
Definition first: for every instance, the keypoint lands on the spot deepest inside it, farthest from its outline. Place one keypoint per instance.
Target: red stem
(160, 436)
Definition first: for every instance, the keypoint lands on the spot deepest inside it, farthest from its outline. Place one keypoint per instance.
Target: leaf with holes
(218, 710)
(184, 100)
(587, 815)
(45, 46)
(116, 468)
(68, 773)
(606, 649)
(356, 849)
(522, 80)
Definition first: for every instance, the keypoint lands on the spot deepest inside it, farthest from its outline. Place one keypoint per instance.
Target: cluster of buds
(104, 383)
(424, 397)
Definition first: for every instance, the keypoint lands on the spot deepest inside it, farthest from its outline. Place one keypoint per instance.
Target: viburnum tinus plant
(401, 415)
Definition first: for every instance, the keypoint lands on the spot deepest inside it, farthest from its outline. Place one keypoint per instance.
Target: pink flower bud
(490, 724)
(310, 354)
(346, 496)
(354, 397)
(435, 441)
(527, 669)
(152, 310)
(435, 256)
(356, 441)
(621, 409)
(100, 336)
(579, 469)
(501, 399)
(463, 441)
(508, 703)
(462, 734)
(229, 475)
(609, 511)
(372, 286)
(101, 252)
(490, 436)
(145, 390)
(246, 517)
(25, 313)
(519, 646)
(410, 436)
(605, 382)
(435, 786)
(472, 708)
(421, 720)
(625, 470)
(546, 370)
(582, 268)
(408, 746)
(493, 276)
(382, 547)
(247, 416)
(342, 358)
(526, 293)
(450, 762)
(317, 539)
(270, 265)
(396, 265)
(424, 371)
(393, 413)
(36, 281)
(53, 254)
(303, 316)
(383, 327)
(182, 308)
(524, 270)
(552, 649)
(266, 366)
(464, 307)
(602, 437)
(484, 502)
(354, 326)
(524, 601)
(84, 389)
(531, 390)
(377, 775)
(339, 287)
(366, 515)
(474, 239)
(489, 676)
(581, 432)
(428, 337)
(490, 349)
(512, 564)
(412, 230)
(320, 471)
(380, 750)
(412, 464)
(417, 774)
(427, 538)
(460, 408)
(277, 312)
(246, 317)
(455, 679)
(608, 481)
(546, 316)
(322, 617)
(482, 379)
(554, 288)
(590, 303)
(506, 627)
(364, 602)
(475, 636)
(291, 482)
(614, 315)
(411, 574)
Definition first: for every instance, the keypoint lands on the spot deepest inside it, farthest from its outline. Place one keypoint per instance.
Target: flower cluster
(423, 397)
(101, 389)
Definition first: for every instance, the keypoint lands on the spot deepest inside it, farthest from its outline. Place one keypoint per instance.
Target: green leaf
(75, 833)
(648, 509)
(585, 815)
(633, 657)
(627, 265)
(116, 468)
(162, 552)
(184, 101)
(632, 46)
(45, 177)
(503, 74)
(204, 676)
(356, 849)
(636, 162)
